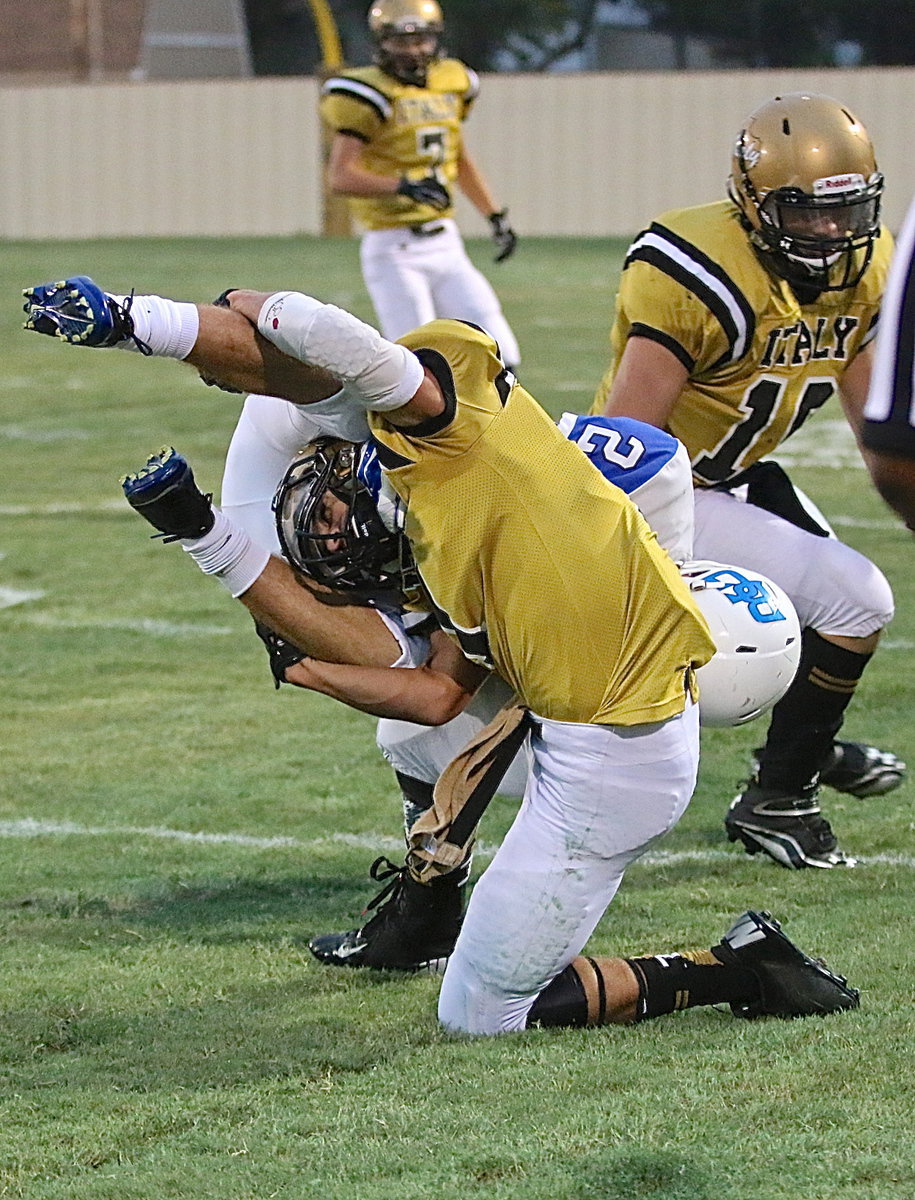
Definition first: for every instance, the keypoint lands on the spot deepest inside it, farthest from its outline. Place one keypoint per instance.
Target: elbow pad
(380, 374)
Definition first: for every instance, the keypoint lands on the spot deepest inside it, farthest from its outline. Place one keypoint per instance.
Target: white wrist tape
(228, 553)
(414, 647)
(380, 375)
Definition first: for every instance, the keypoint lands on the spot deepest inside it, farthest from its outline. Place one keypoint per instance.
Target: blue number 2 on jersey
(626, 452)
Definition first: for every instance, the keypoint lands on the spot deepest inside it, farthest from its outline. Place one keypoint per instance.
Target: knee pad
(860, 596)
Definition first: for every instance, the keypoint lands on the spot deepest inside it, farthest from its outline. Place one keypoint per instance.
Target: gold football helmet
(805, 179)
(407, 37)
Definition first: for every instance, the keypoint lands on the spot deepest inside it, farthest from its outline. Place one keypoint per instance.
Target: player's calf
(755, 969)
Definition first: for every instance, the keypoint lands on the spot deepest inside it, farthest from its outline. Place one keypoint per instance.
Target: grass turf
(164, 1031)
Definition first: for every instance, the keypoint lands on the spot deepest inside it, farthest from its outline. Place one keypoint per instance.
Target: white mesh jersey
(649, 465)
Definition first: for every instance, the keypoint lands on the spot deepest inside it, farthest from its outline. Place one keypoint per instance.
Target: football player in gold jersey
(509, 523)
(734, 322)
(397, 153)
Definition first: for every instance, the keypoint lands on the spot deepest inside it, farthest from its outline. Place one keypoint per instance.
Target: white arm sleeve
(666, 501)
(380, 375)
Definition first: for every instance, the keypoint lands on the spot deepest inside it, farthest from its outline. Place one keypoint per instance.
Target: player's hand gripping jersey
(759, 361)
(407, 130)
(551, 576)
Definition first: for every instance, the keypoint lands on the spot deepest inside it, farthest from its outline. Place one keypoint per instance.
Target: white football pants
(835, 589)
(412, 280)
(597, 797)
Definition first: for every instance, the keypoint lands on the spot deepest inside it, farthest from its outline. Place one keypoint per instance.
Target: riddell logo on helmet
(838, 183)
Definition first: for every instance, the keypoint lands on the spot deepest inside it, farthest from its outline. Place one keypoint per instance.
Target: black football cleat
(163, 491)
(791, 983)
(860, 770)
(414, 928)
(791, 830)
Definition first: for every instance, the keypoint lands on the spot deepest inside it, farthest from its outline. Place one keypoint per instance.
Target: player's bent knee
(466, 1005)
(862, 599)
(870, 603)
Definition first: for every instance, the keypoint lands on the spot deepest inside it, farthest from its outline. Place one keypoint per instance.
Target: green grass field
(172, 830)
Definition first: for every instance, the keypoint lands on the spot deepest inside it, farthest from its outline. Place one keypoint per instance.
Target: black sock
(670, 982)
(807, 718)
(667, 983)
(417, 797)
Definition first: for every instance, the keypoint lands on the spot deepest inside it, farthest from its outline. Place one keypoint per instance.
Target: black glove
(429, 191)
(282, 654)
(503, 235)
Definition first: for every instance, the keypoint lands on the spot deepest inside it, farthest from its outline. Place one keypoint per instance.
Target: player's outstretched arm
(329, 632)
(647, 383)
(473, 184)
(347, 175)
(894, 479)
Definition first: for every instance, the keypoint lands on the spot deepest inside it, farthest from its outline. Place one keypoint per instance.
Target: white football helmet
(758, 639)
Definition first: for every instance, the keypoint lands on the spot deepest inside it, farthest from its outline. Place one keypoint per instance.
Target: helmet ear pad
(757, 636)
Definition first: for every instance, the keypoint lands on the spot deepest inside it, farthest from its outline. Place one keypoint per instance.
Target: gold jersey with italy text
(533, 562)
(407, 130)
(759, 361)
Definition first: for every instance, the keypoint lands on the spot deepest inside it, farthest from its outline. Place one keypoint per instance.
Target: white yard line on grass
(54, 510)
(866, 523)
(30, 827)
(21, 433)
(10, 597)
(145, 625)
